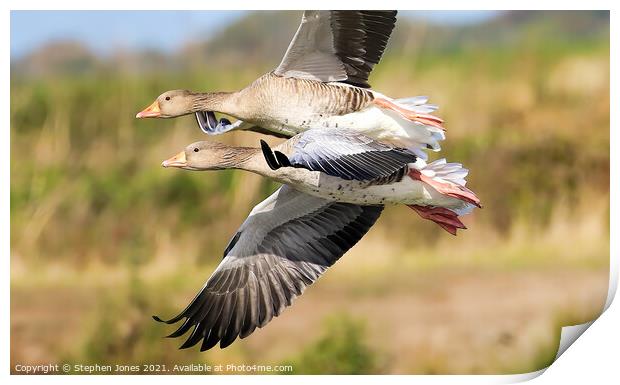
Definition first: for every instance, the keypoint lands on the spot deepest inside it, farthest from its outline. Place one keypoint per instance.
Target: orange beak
(178, 160)
(151, 111)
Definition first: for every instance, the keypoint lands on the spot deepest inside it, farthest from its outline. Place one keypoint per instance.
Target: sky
(105, 31)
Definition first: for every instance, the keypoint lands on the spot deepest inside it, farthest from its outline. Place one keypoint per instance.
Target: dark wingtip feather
(181, 330)
(193, 339)
(209, 342)
(272, 162)
(227, 340)
(282, 159)
(168, 321)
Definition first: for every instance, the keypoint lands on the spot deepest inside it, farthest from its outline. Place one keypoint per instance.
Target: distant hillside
(261, 38)
(58, 57)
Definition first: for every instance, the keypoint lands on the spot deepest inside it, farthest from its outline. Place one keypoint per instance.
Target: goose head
(170, 104)
(197, 156)
(206, 155)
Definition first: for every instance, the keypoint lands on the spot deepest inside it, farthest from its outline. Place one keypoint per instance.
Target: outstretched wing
(285, 244)
(338, 46)
(346, 154)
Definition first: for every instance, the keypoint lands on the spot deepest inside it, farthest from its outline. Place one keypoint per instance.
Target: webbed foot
(209, 124)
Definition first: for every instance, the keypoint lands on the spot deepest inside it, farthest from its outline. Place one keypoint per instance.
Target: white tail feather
(403, 131)
(417, 104)
(413, 100)
(449, 172)
(441, 172)
(454, 173)
(415, 136)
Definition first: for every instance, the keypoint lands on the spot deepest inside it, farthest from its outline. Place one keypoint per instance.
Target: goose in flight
(347, 166)
(336, 185)
(322, 81)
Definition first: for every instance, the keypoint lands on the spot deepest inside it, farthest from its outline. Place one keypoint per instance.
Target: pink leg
(450, 189)
(447, 219)
(426, 119)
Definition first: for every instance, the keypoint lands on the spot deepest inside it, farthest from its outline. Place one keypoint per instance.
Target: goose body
(322, 81)
(343, 166)
(336, 185)
(408, 191)
(290, 106)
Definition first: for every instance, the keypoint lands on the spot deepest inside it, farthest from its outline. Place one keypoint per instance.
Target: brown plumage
(322, 82)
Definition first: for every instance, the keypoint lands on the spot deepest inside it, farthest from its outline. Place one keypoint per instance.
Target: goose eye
(167, 97)
(196, 149)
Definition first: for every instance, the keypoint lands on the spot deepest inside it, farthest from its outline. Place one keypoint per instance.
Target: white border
(595, 354)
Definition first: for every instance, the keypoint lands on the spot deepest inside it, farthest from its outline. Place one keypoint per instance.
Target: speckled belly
(331, 188)
(369, 120)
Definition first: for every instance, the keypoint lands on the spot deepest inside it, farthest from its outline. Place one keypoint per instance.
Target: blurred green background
(102, 237)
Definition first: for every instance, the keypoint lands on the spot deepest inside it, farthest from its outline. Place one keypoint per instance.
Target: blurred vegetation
(129, 340)
(340, 350)
(107, 234)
